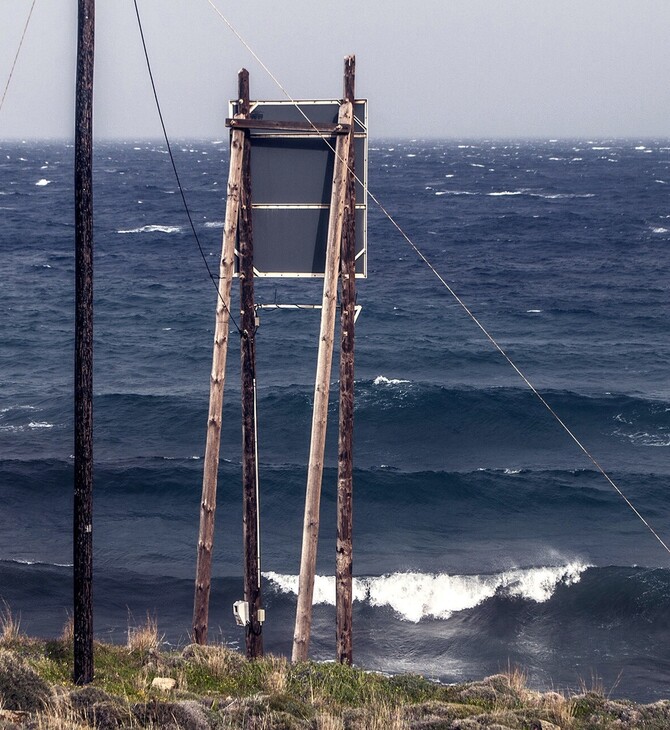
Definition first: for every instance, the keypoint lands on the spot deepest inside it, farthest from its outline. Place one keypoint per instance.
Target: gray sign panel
(291, 181)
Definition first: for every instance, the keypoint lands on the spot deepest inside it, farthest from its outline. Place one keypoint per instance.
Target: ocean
(483, 537)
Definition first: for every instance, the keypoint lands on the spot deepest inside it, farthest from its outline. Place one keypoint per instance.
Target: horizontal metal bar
(299, 126)
(357, 307)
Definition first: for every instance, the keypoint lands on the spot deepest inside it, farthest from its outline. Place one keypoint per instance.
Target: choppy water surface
(483, 536)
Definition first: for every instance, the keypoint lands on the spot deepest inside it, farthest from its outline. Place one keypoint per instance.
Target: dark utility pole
(83, 345)
(343, 573)
(252, 576)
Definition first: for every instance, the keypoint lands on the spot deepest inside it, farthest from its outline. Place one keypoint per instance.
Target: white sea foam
(383, 380)
(558, 196)
(505, 192)
(642, 438)
(18, 408)
(659, 229)
(19, 561)
(533, 311)
(454, 192)
(415, 596)
(41, 183)
(214, 224)
(40, 424)
(153, 229)
(661, 182)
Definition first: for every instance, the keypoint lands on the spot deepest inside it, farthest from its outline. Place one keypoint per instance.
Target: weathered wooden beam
(83, 349)
(252, 578)
(203, 578)
(296, 126)
(344, 562)
(303, 623)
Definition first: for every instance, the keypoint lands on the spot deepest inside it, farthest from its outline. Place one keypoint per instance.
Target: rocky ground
(203, 688)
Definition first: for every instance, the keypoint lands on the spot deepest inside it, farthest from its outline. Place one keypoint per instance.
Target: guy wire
(16, 57)
(176, 173)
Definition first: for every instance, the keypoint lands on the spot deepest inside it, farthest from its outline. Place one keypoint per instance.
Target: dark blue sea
(484, 537)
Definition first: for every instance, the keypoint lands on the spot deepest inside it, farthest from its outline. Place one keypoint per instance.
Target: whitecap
(505, 192)
(643, 438)
(659, 229)
(40, 424)
(19, 561)
(559, 196)
(533, 311)
(18, 408)
(214, 224)
(383, 380)
(153, 229)
(41, 183)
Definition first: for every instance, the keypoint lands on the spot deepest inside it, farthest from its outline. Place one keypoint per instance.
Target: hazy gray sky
(442, 68)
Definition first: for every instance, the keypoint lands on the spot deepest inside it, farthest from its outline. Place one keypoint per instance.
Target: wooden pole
(252, 577)
(310, 536)
(343, 574)
(83, 349)
(217, 381)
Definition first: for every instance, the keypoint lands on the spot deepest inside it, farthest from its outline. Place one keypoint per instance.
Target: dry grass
(276, 681)
(59, 716)
(218, 660)
(325, 721)
(140, 681)
(385, 716)
(555, 704)
(144, 638)
(62, 716)
(10, 625)
(67, 634)
(517, 678)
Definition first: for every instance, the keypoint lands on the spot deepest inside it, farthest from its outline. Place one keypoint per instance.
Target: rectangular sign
(291, 181)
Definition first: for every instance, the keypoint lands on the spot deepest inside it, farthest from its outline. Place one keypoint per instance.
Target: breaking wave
(417, 596)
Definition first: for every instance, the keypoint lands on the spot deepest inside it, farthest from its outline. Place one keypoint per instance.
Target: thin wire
(176, 173)
(16, 58)
(467, 310)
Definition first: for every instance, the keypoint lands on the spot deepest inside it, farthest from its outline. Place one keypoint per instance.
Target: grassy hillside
(202, 688)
